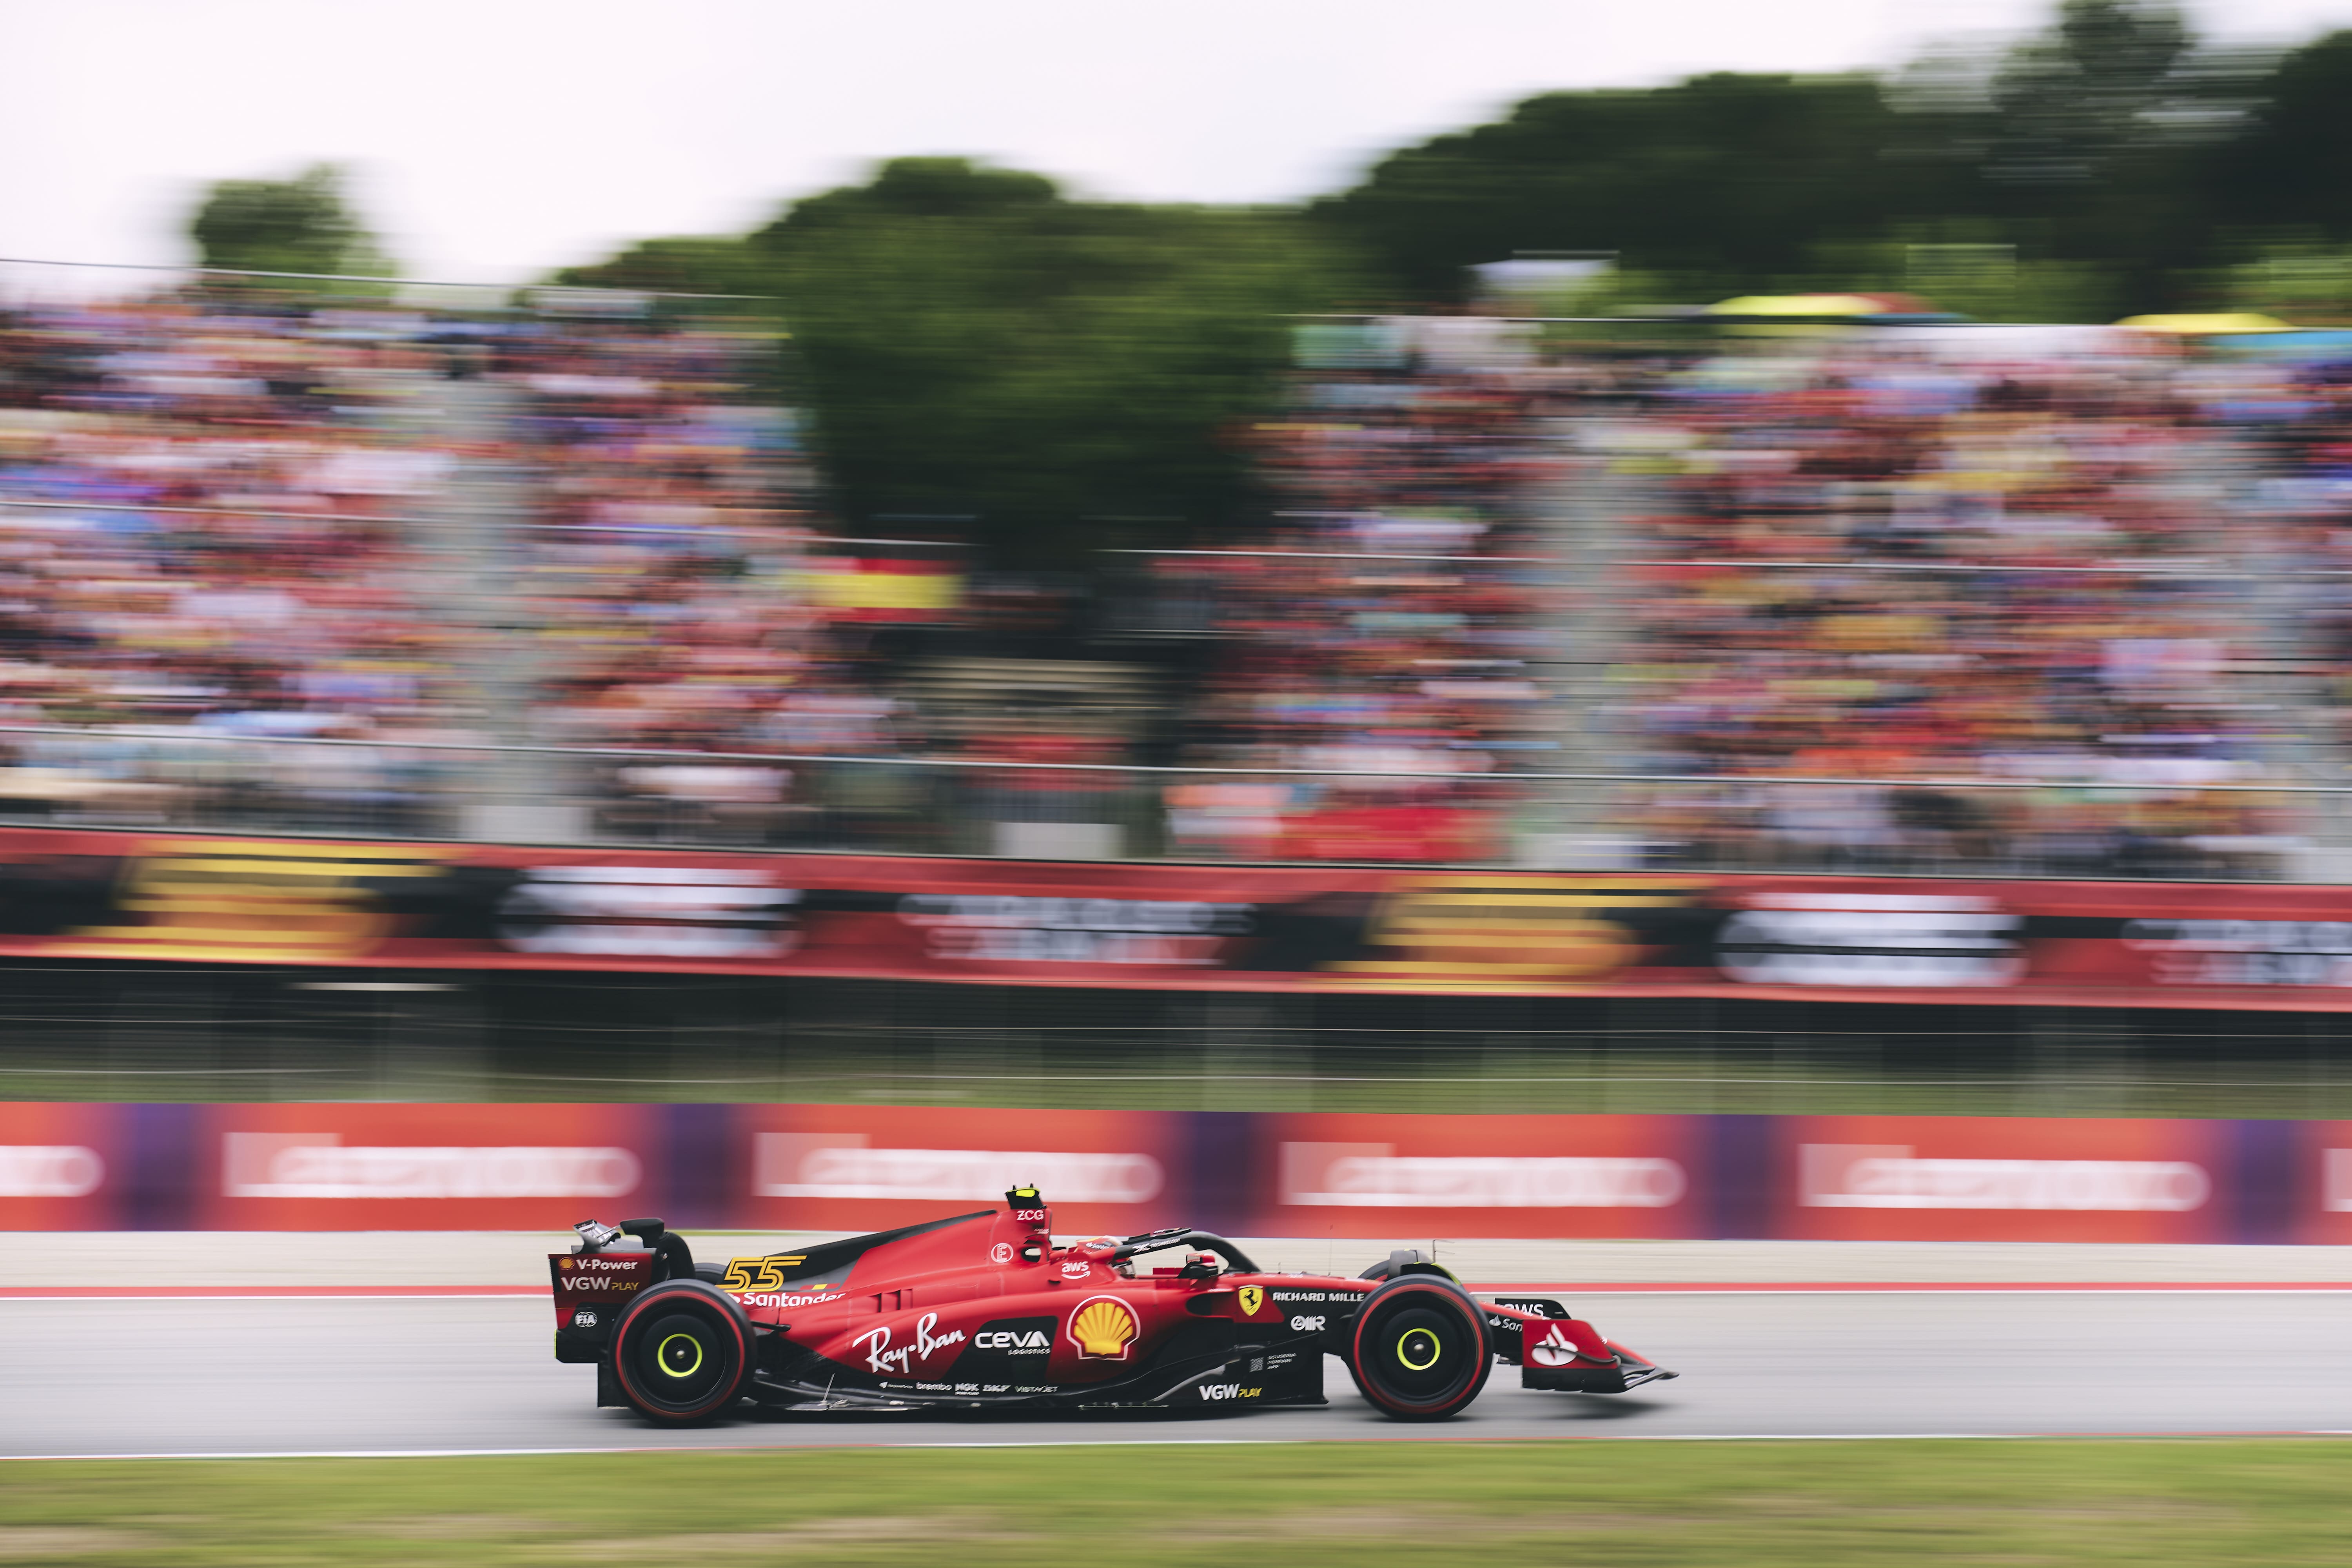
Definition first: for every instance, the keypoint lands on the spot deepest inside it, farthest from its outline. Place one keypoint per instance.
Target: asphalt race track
(374, 1374)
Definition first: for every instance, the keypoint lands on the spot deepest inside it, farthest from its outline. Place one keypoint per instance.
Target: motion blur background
(1936, 476)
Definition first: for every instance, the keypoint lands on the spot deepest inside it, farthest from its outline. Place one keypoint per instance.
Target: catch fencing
(2154, 820)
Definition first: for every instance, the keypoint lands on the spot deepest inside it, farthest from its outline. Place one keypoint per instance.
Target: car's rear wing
(592, 1290)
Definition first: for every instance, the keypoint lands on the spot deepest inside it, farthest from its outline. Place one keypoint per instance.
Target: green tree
(1723, 180)
(2292, 167)
(973, 343)
(303, 225)
(2083, 96)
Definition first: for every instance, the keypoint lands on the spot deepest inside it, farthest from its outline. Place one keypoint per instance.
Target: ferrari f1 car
(983, 1311)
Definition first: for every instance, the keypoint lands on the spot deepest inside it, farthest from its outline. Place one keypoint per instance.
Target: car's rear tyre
(1420, 1348)
(682, 1352)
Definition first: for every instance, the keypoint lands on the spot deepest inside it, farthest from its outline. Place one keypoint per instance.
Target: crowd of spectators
(1917, 572)
(202, 528)
(1870, 561)
(688, 596)
(1384, 635)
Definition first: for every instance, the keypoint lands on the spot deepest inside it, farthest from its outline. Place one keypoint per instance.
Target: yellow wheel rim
(1420, 1342)
(661, 1354)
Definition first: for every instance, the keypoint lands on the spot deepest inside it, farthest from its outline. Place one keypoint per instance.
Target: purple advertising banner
(288, 1166)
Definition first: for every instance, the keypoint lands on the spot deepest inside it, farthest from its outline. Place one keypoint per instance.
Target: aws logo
(1104, 1329)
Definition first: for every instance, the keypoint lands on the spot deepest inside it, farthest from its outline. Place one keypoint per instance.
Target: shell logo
(1103, 1328)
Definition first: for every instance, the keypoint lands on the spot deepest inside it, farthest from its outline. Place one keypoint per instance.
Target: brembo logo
(1887, 1176)
(1372, 1175)
(49, 1170)
(317, 1165)
(841, 1165)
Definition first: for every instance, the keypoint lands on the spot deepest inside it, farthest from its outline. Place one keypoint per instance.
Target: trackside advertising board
(836, 1167)
(425, 1167)
(840, 1167)
(66, 1167)
(1968, 1178)
(1367, 1175)
(189, 898)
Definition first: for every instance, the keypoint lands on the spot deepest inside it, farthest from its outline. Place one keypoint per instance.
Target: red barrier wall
(834, 1167)
(1990, 1178)
(2322, 1181)
(1369, 1176)
(62, 1167)
(845, 1167)
(180, 897)
(422, 1167)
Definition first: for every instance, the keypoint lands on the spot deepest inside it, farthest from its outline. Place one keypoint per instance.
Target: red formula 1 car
(983, 1311)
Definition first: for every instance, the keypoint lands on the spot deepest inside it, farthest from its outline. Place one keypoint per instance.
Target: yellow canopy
(1797, 305)
(2207, 324)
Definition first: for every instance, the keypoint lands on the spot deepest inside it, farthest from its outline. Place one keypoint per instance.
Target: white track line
(1189, 1442)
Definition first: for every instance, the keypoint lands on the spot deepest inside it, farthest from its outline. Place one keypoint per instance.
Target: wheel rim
(681, 1355)
(678, 1359)
(1421, 1351)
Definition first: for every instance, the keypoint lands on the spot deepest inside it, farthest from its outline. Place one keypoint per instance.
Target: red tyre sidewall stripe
(1363, 1321)
(723, 1397)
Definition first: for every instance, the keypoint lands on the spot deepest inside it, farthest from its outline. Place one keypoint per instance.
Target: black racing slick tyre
(682, 1352)
(1420, 1348)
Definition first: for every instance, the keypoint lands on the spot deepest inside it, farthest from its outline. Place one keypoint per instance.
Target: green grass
(1820, 1505)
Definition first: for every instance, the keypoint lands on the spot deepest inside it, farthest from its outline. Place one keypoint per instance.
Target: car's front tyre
(682, 1352)
(1420, 1348)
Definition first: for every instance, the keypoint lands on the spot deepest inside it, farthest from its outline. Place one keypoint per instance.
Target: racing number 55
(754, 1274)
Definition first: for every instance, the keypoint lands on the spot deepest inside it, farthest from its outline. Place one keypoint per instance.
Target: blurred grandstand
(2016, 601)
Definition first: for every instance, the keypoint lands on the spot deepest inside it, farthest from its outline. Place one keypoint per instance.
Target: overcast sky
(494, 139)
